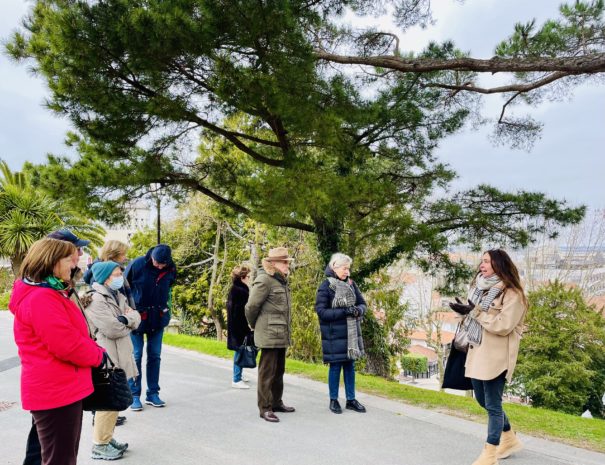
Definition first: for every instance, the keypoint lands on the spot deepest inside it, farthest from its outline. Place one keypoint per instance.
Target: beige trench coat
(111, 334)
(502, 329)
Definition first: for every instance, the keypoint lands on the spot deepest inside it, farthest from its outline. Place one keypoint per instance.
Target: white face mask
(116, 283)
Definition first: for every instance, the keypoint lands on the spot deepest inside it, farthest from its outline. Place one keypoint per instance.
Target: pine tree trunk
(328, 233)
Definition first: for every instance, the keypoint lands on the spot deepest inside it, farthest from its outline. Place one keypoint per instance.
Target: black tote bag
(453, 376)
(246, 354)
(112, 392)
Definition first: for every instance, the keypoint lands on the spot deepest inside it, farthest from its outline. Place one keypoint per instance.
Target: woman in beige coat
(112, 320)
(496, 307)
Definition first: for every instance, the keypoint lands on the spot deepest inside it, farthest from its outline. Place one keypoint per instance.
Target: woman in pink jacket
(55, 348)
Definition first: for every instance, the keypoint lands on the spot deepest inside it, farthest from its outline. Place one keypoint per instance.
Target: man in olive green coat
(268, 313)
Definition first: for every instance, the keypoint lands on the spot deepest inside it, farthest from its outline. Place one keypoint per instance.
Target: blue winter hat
(102, 270)
(161, 253)
(67, 236)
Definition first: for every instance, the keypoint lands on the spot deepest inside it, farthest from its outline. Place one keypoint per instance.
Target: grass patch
(573, 430)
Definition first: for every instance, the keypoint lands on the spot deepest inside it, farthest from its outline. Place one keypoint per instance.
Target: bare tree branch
(520, 88)
(585, 64)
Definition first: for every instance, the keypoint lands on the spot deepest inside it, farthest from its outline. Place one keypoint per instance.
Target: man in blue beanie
(151, 278)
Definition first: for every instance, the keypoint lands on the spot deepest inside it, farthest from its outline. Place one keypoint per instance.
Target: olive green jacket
(268, 312)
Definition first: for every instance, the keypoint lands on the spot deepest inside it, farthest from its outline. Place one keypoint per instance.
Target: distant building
(139, 218)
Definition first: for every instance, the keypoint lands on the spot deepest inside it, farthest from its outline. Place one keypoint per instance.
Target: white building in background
(139, 218)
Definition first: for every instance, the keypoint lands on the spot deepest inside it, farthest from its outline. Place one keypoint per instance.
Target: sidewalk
(207, 422)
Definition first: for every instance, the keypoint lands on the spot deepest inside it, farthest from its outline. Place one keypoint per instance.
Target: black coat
(237, 325)
(333, 321)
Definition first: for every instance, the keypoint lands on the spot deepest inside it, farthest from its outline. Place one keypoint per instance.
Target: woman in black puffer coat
(237, 325)
(340, 307)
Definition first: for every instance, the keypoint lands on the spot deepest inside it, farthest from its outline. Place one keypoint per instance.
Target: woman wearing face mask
(340, 307)
(113, 251)
(112, 320)
(497, 307)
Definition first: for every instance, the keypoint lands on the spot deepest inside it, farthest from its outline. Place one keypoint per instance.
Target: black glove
(461, 308)
(122, 319)
(104, 361)
(352, 311)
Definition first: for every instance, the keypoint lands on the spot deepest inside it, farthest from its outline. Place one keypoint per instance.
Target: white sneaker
(245, 379)
(239, 385)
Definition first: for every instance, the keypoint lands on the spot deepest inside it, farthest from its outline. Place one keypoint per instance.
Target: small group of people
(61, 337)
(264, 313)
(496, 301)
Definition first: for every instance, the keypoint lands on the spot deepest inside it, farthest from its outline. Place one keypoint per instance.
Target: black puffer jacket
(237, 325)
(333, 321)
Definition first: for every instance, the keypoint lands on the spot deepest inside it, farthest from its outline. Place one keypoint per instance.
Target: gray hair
(339, 259)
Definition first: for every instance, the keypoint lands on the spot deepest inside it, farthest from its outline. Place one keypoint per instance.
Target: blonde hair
(113, 249)
(240, 272)
(42, 257)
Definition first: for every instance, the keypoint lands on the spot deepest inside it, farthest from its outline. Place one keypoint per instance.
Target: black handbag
(111, 389)
(453, 376)
(246, 354)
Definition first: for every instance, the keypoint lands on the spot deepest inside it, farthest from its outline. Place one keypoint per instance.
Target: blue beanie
(102, 270)
(161, 253)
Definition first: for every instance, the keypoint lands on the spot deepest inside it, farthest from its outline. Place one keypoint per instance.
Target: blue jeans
(237, 370)
(348, 369)
(154, 350)
(489, 395)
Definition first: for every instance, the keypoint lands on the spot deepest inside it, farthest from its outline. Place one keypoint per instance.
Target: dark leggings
(59, 433)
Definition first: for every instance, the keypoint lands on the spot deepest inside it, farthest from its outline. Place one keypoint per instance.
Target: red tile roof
(424, 351)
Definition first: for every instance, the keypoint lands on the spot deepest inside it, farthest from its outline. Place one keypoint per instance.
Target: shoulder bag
(111, 389)
(246, 354)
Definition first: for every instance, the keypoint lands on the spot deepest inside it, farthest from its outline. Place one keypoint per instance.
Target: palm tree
(28, 214)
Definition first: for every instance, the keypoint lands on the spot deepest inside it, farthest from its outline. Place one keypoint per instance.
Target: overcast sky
(568, 162)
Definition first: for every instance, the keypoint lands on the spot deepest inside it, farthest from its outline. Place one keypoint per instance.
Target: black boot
(355, 405)
(335, 406)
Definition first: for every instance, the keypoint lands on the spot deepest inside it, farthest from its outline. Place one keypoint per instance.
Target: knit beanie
(102, 270)
(161, 253)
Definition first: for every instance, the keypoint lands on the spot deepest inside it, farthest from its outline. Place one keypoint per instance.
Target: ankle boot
(335, 406)
(509, 444)
(488, 456)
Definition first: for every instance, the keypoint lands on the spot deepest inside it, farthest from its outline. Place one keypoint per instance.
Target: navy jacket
(333, 321)
(237, 325)
(151, 289)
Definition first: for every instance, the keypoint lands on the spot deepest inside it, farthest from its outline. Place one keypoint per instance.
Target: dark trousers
(271, 368)
(33, 452)
(59, 433)
(489, 395)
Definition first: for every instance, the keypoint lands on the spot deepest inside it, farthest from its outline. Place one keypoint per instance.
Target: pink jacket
(55, 348)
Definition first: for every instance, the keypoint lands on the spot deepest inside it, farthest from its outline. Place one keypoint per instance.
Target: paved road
(207, 422)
